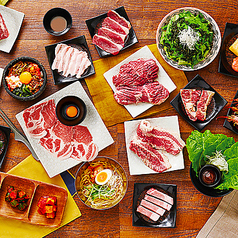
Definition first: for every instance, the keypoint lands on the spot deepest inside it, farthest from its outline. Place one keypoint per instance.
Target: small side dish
(47, 206)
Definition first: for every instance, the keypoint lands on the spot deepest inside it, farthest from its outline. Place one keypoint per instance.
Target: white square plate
(136, 166)
(163, 78)
(93, 121)
(13, 20)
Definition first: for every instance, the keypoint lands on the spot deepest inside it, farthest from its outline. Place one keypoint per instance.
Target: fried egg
(103, 176)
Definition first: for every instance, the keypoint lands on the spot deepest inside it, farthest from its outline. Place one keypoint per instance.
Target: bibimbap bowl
(101, 184)
(24, 78)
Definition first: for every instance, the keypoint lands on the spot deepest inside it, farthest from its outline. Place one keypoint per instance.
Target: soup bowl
(98, 196)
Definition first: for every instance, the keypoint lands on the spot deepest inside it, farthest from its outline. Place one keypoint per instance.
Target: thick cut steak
(158, 202)
(119, 19)
(3, 29)
(136, 73)
(151, 157)
(153, 207)
(156, 193)
(152, 215)
(113, 25)
(160, 138)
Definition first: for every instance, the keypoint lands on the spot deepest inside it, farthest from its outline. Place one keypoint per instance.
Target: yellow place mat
(3, 2)
(30, 168)
(102, 95)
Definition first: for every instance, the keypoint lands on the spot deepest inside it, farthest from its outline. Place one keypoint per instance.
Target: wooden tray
(35, 190)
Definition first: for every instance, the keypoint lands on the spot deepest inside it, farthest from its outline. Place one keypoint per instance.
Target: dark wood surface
(193, 208)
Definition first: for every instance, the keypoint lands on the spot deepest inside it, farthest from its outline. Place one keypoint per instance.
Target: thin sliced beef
(58, 140)
(152, 215)
(160, 138)
(113, 25)
(154, 93)
(203, 103)
(106, 44)
(112, 35)
(3, 29)
(121, 20)
(40, 117)
(151, 157)
(153, 207)
(156, 193)
(158, 202)
(136, 73)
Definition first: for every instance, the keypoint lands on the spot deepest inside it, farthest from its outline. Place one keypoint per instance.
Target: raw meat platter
(13, 20)
(136, 166)
(163, 78)
(92, 121)
(35, 190)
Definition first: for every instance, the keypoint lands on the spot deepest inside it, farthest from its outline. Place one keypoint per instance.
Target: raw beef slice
(121, 20)
(3, 29)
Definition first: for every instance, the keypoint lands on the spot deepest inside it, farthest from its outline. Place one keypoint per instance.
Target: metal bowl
(6, 71)
(117, 168)
(211, 55)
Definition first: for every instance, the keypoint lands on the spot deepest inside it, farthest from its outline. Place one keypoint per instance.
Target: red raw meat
(153, 207)
(3, 29)
(151, 157)
(152, 215)
(158, 202)
(154, 93)
(112, 35)
(106, 44)
(159, 138)
(121, 20)
(113, 25)
(160, 195)
(58, 140)
(40, 117)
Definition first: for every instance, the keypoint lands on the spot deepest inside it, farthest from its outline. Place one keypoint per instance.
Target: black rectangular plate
(93, 22)
(78, 41)
(199, 82)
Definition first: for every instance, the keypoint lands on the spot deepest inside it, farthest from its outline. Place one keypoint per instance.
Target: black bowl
(57, 12)
(5, 73)
(66, 102)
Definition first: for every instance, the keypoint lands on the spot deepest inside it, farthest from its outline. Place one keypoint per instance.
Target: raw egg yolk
(71, 111)
(25, 77)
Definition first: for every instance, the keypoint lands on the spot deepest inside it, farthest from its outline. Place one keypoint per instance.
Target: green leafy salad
(218, 149)
(187, 38)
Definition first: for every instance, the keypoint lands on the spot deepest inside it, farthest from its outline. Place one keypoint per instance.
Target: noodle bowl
(104, 196)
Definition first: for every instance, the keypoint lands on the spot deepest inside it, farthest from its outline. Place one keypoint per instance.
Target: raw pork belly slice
(3, 29)
(115, 26)
(83, 147)
(151, 157)
(195, 102)
(152, 215)
(153, 207)
(154, 93)
(158, 202)
(58, 140)
(160, 138)
(112, 35)
(107, 44)
(121, 20)
(136, 73)
(70, 61)
(203, 103)
(40, 117)
(160, 195)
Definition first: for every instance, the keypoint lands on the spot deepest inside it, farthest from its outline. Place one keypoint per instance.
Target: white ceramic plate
(13, 20)
(163, 78)
(93, 121)
(136, 166)
(216, 40)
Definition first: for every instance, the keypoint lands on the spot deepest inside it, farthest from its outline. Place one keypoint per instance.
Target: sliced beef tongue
(160, 138)
(40, 117)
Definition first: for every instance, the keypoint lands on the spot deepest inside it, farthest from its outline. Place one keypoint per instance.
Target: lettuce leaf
(232, 152)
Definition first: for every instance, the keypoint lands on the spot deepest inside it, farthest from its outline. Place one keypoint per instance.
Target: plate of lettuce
(219, 150)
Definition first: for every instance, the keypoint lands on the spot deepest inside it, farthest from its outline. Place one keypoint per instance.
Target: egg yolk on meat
(25, 77)
(71, 111)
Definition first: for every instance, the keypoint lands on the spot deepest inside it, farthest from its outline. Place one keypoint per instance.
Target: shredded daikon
(188, 37)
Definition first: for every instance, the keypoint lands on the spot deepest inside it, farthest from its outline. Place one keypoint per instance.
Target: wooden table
(193, 208)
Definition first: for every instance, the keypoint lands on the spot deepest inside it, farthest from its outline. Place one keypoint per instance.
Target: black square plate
(227, 124)
(79, 43)
(93, 23)
(216, 105)
(226, 56)
(6, 131)
(169, 220)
